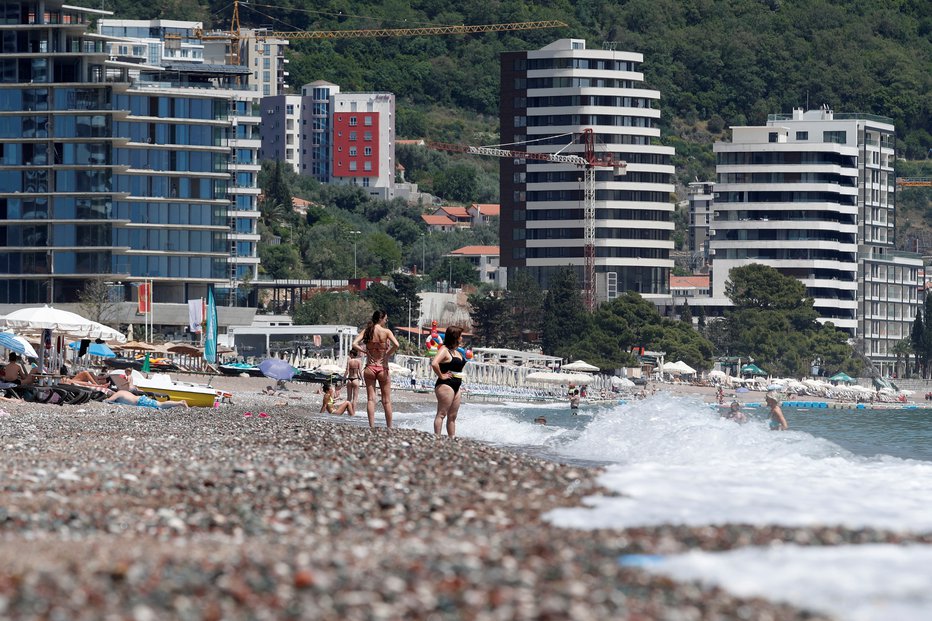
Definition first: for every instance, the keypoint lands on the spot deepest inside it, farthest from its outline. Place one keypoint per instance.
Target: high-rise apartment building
(548, 98)
(339, 138)
(118, 153)
(812, 194)
(701, 199)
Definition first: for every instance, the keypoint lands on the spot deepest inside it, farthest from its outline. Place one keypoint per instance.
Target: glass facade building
(116, 167)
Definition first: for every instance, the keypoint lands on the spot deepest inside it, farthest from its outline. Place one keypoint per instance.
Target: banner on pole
(145, 298)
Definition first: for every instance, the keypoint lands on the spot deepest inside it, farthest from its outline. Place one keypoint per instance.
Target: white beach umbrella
(397, 369)
(331, 368)
(580, 365)
(621, 382)
(60, 322)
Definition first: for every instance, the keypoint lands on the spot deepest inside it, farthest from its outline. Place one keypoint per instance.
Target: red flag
(145, 302)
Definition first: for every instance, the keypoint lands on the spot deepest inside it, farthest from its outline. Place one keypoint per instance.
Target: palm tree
(902, 348)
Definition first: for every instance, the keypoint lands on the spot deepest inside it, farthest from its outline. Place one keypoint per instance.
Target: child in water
(734, 413)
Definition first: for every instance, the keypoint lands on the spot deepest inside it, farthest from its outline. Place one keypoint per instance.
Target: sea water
(675, 461)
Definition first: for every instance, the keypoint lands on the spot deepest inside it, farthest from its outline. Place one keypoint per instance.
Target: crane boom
(914, 182)
(409, 32)
(589, 161)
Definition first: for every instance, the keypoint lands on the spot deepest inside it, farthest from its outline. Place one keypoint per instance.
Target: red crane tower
(589, 161)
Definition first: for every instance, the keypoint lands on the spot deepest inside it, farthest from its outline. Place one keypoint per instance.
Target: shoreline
(136, 513)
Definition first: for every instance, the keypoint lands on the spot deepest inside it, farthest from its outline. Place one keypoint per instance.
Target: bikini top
(454, 365)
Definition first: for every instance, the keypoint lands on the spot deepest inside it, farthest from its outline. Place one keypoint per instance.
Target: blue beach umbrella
(95, 349)
(18, 344)
(277, 369)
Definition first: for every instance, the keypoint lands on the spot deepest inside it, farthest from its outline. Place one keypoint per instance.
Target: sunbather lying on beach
(124, 397)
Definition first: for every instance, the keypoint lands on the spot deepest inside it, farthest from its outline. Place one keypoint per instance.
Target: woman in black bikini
(448, 366)
(380, 344)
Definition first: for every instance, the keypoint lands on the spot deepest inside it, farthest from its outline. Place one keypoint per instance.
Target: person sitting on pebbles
(124, 397)
(330, 406)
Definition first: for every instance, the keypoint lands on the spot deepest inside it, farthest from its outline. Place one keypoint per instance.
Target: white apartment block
(548, 97)
(812, 194)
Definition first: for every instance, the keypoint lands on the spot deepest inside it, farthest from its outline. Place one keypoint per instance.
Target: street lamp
(354, 234)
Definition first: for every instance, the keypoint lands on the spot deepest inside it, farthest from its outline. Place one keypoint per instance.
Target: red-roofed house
(482, 213)
(438, 223)
(485, 259)
(689, 286)
(457, 214)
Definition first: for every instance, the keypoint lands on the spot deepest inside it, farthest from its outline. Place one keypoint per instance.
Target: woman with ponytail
(379, 344)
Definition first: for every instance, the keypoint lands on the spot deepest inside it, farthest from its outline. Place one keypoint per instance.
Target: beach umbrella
(580, 365)
(18, 344)
(331, 368)
(135, 346)
(94, 349)
(184, 349)
(60, 322)
(752, 369)
(277, 369)
(841, 376)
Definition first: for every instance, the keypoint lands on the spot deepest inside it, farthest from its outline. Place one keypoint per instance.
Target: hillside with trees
(717, 62)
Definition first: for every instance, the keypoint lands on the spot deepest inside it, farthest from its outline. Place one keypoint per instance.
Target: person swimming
(777, 420)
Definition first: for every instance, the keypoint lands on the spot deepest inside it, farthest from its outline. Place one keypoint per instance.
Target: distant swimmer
(573, 395)
(540, 420)
(777, 420)
(734, 413)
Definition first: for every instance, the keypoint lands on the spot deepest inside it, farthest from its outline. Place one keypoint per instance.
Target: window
(367, 121)
(352, 151)
(836, 137)
(352, 165)
(352, 121)
(352, 136)
(367, 151)
(772, 136)
(367, 165)
(802, 135)
(367, 136)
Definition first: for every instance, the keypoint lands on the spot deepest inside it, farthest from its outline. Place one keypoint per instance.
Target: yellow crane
(234, 34)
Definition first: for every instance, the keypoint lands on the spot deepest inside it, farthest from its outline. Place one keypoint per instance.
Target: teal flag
(145, 364)
(210, 328)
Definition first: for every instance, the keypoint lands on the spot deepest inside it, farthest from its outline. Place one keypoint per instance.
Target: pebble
(205, 515)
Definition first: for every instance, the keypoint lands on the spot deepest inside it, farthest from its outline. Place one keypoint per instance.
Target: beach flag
(145, 364)
(210, 328)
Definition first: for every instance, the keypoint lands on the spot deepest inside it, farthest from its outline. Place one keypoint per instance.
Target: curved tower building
(548, 98)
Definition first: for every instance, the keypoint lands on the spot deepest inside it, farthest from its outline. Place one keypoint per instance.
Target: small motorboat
(161, 386)
(236, 369)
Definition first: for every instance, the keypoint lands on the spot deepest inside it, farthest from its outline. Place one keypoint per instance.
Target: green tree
(457, 271)
(333, 308)
(489, 316)
(525, 304)
(459, 182)
(686, 315)
(565, 321)
(916, 341)
(281, 261)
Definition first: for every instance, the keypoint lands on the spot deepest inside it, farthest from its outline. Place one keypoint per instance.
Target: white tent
(580, 365)
(60, 322)
(684, 368)
(549, 377)
(621, 382)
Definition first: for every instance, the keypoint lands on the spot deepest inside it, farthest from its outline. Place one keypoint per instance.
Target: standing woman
(353, 375)
(448, 365)
(379, 344)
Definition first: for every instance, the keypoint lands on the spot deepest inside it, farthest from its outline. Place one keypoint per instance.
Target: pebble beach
(118, 512)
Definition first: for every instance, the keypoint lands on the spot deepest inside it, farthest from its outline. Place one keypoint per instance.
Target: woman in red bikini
(353, 375)
(379, 344)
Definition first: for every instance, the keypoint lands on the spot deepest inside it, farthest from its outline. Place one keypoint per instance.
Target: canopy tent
(21, 346)
(841, 376)
(60, 322)
(752, 369)
(678, 368)
(621, 382)
(94, 349)
(549, 377)
(580, 365)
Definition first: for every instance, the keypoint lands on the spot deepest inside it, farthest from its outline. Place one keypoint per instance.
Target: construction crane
(914, 182)
(589, 161)
(234, 34)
